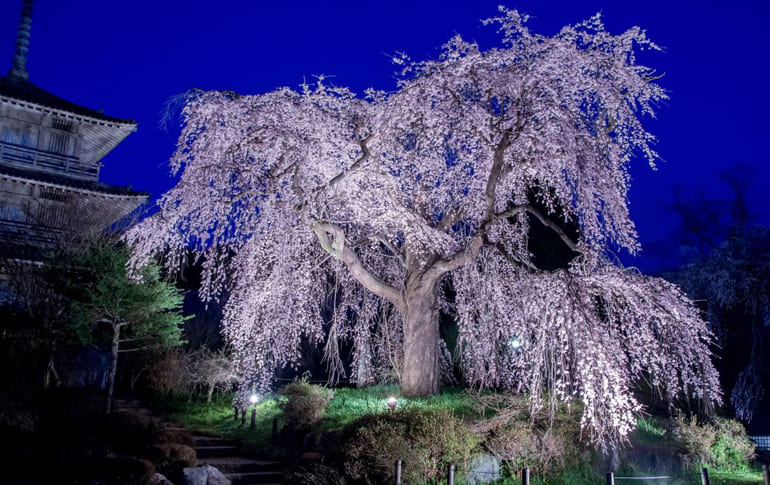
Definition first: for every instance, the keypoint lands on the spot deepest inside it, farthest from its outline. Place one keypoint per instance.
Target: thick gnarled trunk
(420, 374)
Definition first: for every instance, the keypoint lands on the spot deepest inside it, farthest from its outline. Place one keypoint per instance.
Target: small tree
(139, 311)
(207, 370)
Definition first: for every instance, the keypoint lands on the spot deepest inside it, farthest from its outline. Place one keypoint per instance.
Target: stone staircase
(225, 455)
(221, 453)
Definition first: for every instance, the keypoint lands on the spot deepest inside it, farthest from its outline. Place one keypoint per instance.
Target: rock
(215, 477)
(159, 479)
(195, 475)
(484, 468)
(204, 475)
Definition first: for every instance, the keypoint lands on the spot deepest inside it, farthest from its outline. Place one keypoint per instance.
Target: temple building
(50, 157)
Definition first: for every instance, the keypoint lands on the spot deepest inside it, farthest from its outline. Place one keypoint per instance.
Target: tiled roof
(24, 90)
(62, 181)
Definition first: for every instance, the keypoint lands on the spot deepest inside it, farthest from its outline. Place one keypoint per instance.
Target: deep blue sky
(128, 58)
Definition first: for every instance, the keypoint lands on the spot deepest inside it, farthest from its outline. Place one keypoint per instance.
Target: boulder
(204, 475)
(484, 468)
(195, 475)
(159, 479)
(215, 477)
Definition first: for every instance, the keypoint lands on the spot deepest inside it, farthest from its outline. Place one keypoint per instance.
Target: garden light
(253, 400)
(392, 401)
(515, 343)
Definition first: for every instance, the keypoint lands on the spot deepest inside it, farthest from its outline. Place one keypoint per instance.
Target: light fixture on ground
(392, 402)
(253, 399)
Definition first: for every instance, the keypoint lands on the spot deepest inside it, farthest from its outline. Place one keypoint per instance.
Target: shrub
(171, 458)
(315, 473)
(182, 438)
(733, 449)
(304, 404)
(543, 443)
(722, 443)
(426, 441)
(693, 441)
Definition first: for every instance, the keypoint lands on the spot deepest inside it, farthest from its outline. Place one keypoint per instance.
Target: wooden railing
(32, 159)
(28, 234)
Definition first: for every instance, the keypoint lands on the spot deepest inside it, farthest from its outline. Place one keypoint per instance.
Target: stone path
(221, 453)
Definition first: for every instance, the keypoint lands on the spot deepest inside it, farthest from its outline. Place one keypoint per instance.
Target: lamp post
(253, 400)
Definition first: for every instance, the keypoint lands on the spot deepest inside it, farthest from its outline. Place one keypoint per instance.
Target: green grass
(350, 404)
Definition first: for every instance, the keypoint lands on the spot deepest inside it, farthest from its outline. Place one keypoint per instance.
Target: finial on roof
(19, 65)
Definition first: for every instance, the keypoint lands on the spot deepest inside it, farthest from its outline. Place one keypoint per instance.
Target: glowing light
(515, 343)
(253, 399)
(392, 402)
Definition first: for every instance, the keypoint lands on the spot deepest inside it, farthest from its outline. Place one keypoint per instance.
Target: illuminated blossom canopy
(329, 216)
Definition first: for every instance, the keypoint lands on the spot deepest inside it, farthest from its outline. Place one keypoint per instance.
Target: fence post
(704, 476)
(525, 476)
(450, 477)
(610, 478)
(398, 472)
(766, 474)
(275, 428)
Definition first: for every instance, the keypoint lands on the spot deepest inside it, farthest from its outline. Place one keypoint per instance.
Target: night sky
(129, 58)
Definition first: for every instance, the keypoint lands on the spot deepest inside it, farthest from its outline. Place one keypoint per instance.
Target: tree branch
(365, 153)
(393, 249)
(554, 227)
(471, 252)
(332, 240)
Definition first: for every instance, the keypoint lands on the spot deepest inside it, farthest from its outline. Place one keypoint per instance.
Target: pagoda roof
(92, 186)
(24, 90)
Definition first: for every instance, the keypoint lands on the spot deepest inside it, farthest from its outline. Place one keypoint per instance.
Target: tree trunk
(51, 373)
(113, 365)
(420, 374)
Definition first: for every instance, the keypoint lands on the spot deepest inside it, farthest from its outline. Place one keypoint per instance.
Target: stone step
(255, 478)
(178, 428)
(216, 451)
(208, 441)
(238, 465)
(127, 403)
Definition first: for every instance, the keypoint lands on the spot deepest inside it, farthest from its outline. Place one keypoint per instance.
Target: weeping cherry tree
(304, 200)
